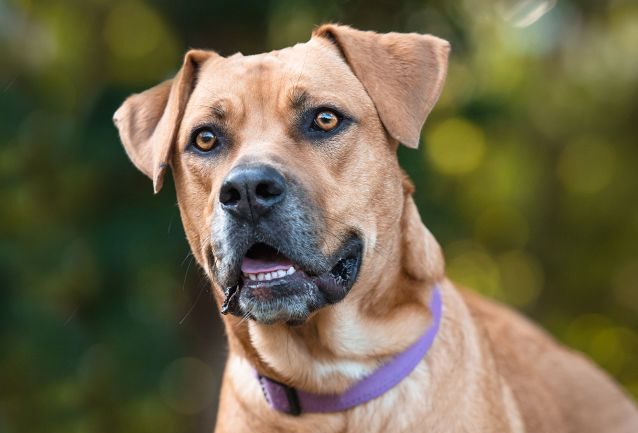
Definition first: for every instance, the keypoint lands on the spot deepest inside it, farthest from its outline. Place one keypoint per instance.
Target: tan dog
(286, 161)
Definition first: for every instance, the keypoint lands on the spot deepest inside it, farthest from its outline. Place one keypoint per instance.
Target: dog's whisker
(192, 308)
(170, 224)
(244, 317)
(192, 259)
(188, 255)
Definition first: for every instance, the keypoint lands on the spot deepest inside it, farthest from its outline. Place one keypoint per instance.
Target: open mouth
(273, 287)
(263, 263)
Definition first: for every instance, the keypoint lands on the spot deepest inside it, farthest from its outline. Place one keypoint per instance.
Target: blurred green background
(527, 175)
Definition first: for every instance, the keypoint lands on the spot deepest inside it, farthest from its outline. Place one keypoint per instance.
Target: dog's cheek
(372, 186)
(193, 191)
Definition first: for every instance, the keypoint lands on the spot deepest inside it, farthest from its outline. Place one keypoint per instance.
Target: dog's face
(279, 193)
(284, 162)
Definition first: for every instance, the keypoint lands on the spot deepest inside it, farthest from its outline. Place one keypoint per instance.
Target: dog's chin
(290, 293)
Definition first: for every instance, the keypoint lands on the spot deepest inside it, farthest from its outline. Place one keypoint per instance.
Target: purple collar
(295, 401)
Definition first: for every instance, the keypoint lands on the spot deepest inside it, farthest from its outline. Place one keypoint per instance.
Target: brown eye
(205, 140)
(326, 120)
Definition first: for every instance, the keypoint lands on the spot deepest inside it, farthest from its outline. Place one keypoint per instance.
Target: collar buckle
(280, 396)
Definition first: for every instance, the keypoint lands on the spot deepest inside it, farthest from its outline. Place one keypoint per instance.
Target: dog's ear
(148, 121)
(402, 72)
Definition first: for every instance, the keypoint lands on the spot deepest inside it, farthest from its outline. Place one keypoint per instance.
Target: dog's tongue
(255, 266)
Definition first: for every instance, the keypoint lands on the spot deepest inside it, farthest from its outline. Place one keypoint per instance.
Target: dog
(338, 312)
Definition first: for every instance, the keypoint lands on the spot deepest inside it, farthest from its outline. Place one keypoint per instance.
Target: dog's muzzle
(265, 244)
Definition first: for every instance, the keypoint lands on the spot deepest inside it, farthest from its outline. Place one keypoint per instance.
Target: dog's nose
(250, 191)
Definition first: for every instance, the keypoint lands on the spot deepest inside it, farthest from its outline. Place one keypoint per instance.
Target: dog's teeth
(268, 276)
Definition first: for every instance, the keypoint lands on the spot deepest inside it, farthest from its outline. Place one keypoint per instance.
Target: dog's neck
(344, 343)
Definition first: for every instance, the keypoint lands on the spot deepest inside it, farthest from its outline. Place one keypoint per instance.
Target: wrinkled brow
(298, 98)
(219, 108)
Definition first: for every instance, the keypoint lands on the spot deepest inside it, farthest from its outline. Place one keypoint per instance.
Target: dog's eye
(205, 140)
(326, 120)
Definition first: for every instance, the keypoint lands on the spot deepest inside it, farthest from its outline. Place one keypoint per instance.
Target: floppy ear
(148, 121)
(403, 74)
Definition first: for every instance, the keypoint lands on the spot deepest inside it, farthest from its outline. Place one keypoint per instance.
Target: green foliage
(526, 175)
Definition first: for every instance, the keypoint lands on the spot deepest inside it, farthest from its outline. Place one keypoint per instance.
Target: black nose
(250, 191)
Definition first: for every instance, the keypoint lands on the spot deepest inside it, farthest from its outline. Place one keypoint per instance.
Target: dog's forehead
(314, 66)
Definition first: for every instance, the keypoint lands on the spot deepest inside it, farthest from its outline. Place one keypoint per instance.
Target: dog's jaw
(293, 297)
(356, 334)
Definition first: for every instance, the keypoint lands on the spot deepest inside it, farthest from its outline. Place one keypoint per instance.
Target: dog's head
(284, 162)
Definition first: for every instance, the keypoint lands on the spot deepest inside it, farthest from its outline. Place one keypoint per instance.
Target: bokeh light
(524, 13)
(471, 266)
(521, 276)
(139, 42)
(455, 146)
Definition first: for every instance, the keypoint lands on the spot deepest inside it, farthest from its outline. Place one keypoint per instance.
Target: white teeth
(267, 276)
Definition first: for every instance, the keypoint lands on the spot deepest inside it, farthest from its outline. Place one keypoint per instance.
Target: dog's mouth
(272, 287)
(264, 263)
